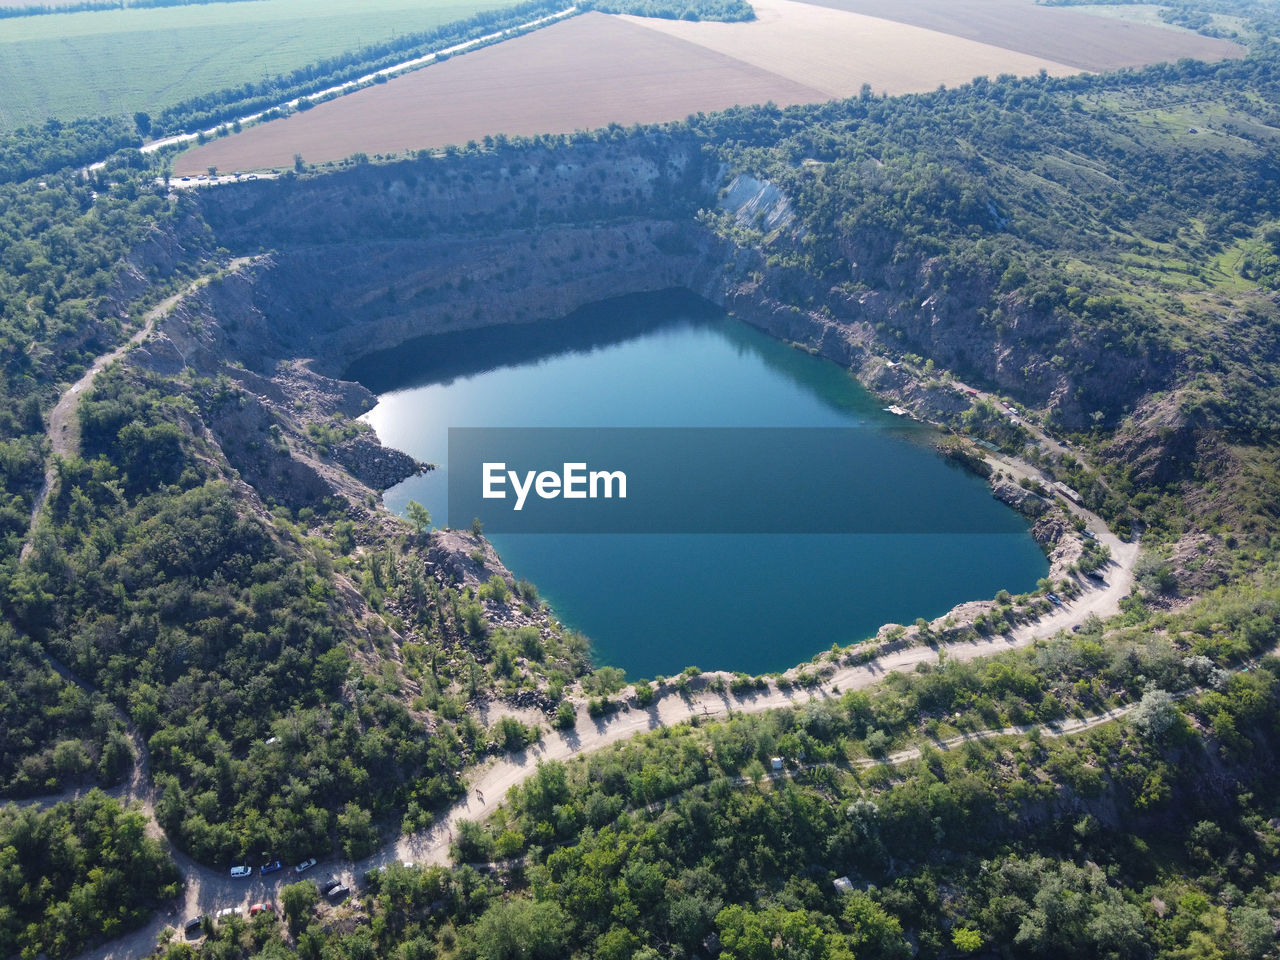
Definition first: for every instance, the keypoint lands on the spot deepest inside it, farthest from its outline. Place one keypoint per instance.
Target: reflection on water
(653, 604)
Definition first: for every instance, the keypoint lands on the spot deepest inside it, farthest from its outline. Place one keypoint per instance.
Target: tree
(1155, 714)
(357, 833)
(966, 939)
(296, 900)
(873, 931)
(521, 930)
(419, 516)
(143, 122)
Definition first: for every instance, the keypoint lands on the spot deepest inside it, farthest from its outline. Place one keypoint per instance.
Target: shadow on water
(443, 357)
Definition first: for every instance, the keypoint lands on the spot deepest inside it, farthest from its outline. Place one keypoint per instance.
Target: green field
(122, 61)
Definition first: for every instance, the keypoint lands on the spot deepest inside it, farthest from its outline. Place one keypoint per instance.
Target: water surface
(651, 603)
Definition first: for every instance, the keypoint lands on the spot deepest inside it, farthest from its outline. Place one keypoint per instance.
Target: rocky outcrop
(1026, 502)
(374, 465)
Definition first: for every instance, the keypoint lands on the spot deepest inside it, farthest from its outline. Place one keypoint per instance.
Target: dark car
(329, 885)
(194, 927)
(271, 867)
(340, 892)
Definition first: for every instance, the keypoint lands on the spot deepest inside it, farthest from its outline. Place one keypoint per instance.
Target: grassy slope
(122, 61)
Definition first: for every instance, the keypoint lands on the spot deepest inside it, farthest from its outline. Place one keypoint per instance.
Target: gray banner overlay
(704, 480)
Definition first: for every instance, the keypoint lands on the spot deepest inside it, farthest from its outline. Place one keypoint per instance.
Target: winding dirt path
(63, 431)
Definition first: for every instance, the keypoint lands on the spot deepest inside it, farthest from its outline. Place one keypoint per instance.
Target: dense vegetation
(66, 275)
(730, 11)
(55, 735)
(31, 151)
(1150, 837)
(1111, 286)
(77, 873)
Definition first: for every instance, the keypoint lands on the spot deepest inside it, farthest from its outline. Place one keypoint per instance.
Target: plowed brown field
(594, 69)
(838, 52)
(577, 75)
(1058, 33)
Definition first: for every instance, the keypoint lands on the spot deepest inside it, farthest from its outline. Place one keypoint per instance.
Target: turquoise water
(653, 604)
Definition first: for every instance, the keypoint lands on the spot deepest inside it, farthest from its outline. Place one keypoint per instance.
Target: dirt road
(64, 429)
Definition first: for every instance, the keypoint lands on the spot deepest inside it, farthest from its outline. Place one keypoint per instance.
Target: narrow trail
(63, 431)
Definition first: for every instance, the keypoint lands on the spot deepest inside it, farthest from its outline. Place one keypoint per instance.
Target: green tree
(356, 832)
(521, 930)
(419, 516)
(296, 900)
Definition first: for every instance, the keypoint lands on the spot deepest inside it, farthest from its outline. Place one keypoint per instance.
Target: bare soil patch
(838, 51)
(581, 74)
(1083, 40)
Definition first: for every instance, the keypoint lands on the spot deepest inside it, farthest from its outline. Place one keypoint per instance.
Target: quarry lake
(655, 603)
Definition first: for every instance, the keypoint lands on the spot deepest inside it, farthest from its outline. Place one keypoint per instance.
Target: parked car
(271, 867)
(340, 892)
(194, 927)
(329, 885)
(305, 865)
(1095, 575)
(244, 870)
(1055, 599)
(258, 908)
(227, 912)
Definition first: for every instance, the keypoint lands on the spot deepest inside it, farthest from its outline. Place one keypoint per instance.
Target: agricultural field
(596, 69)
(68, 65)
(577, 75)
(837, 51)
(1066, 35)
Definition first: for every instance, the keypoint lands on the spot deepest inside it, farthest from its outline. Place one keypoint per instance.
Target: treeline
(78, 873)
(55, 735)
(48, 148)
(729, 11)
(225, 106)
(93, 6)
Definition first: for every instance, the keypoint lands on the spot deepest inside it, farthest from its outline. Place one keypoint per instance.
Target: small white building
(776, 763)
(843, 885)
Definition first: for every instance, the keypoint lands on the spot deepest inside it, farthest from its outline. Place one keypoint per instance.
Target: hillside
(208, 590)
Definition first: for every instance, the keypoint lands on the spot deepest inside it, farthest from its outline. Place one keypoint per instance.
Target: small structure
(776, 763)
(1062, 488)
(843, 885)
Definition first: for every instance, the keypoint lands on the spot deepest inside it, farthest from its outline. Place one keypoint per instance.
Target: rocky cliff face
(373, 256)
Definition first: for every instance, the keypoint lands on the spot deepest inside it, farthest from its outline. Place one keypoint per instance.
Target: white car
(242, 871)
(227, 912)
(305, 865)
